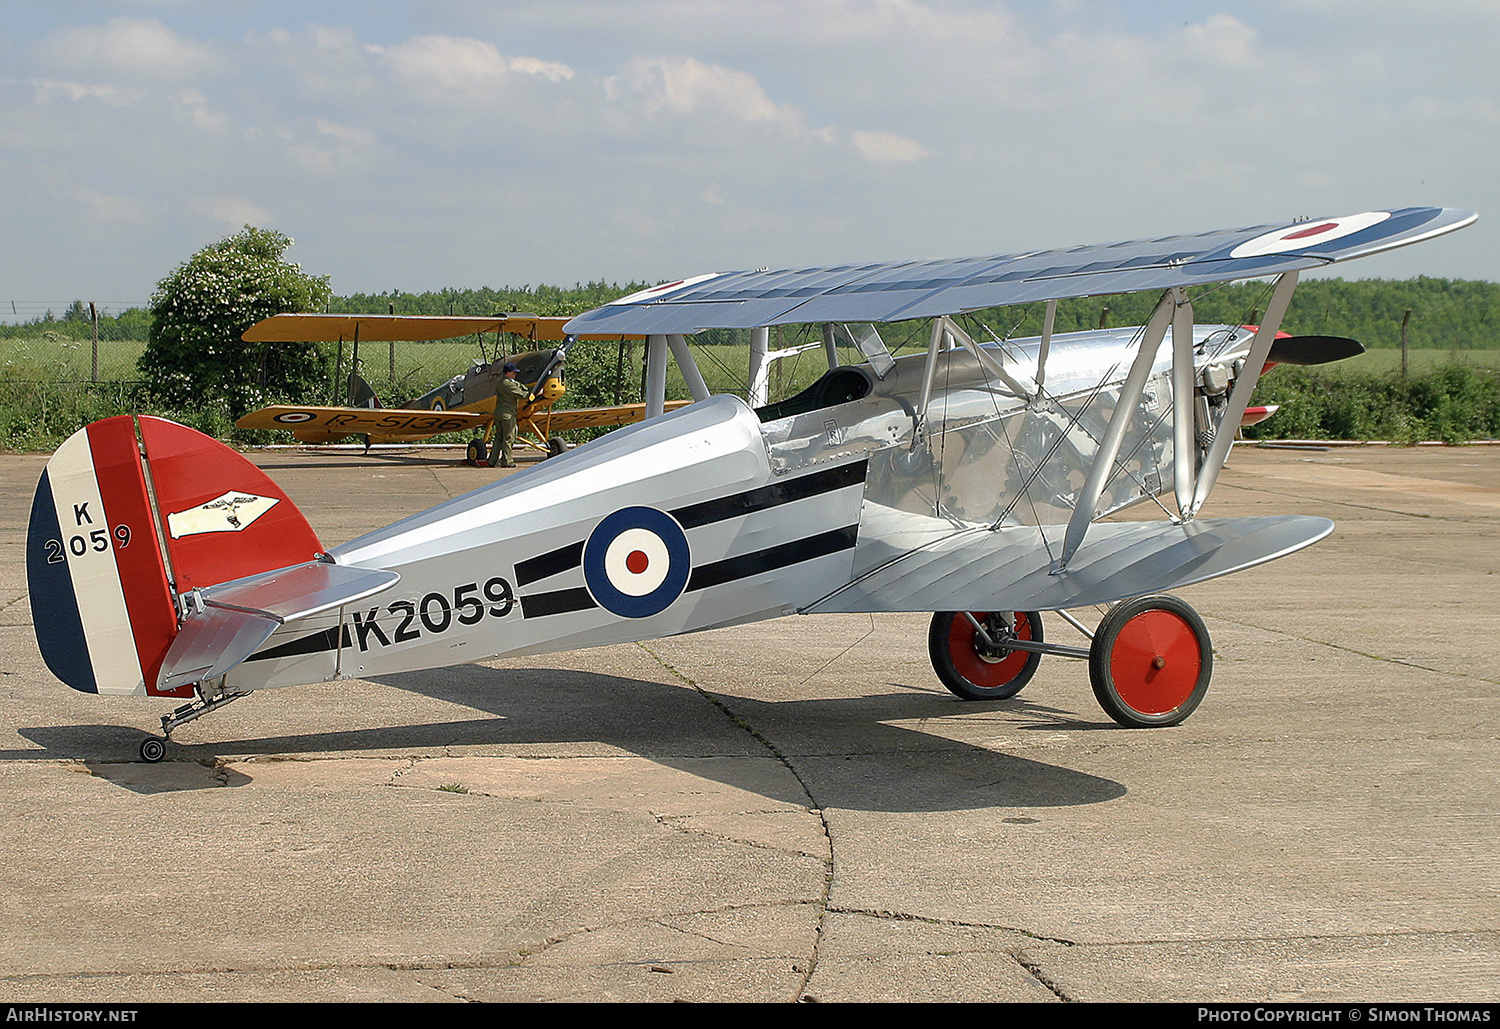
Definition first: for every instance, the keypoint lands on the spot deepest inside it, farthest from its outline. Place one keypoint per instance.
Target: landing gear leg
(210, 697)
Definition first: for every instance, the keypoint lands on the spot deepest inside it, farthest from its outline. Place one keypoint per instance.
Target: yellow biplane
(465, 402)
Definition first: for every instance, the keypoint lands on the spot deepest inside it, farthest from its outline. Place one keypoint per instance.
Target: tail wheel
(476, 452)
(1150, 662)
(975, 669)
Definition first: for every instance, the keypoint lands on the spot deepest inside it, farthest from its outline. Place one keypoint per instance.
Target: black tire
(153, 749)
(1151, 662)
(972, 670)
(557, 446)
(476, 453)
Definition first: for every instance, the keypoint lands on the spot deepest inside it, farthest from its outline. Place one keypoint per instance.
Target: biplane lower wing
(1011, 569)
(556, 420)
(329, 424)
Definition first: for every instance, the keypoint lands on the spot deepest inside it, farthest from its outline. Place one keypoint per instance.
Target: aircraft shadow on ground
(846, 751)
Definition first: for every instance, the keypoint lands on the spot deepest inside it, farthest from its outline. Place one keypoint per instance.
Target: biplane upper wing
(924, 289)
(381, 328)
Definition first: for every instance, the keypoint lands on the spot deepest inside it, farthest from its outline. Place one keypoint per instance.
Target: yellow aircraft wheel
(476, 452)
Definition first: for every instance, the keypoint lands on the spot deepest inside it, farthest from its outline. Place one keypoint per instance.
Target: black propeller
(1313, 349)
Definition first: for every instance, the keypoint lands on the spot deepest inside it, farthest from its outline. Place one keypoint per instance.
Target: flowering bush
(194, 357)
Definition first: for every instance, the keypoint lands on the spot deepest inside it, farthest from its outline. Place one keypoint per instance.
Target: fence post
(94, 322)
(1404, 319)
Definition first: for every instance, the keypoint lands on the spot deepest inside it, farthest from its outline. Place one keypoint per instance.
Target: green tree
(194, 356)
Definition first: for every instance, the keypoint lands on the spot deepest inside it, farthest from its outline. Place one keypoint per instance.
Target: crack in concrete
(1242, 623)
(813, 807)
(957, 923)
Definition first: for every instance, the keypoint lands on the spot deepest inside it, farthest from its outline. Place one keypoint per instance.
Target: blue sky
(458, 143)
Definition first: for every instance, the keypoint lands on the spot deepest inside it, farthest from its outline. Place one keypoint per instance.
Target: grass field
(1387, 360)
(46, 390)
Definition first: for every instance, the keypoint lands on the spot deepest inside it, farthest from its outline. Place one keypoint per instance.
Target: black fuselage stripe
(557, 602)
(317, 643)
(780, 556)
(763, 498)
(542, 566)
(731, 569)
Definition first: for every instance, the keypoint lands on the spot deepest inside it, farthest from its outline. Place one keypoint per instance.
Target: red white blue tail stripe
(100, 600)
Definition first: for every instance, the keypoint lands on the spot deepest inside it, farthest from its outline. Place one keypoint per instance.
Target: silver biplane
(973, 480)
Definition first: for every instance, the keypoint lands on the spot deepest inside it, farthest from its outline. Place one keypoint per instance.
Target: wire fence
(98, 349)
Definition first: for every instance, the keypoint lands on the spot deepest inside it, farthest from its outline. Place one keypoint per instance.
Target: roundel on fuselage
(636, 562)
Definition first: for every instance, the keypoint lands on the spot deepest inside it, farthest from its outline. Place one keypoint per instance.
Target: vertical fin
(104, 524)
(223, 518)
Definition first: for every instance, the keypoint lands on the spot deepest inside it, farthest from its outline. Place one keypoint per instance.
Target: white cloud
(1222, 39)
(465, 70)
(552, 71)
(138, 48)
(233, 212)
(685, 86)
(445, 67)
(196, 106)
(116, 209)
(47, 90)
(334, 147)
(887, 147)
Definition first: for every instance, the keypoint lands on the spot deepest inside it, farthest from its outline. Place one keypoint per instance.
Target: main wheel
(153, 749)
(476, 452)
(557, 446)
(975, 670)
(1150, 662)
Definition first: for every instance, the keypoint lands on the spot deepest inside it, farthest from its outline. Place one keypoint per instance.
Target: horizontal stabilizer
(1313, 349)
(1009, 569)
(237, 617)
(211, 643)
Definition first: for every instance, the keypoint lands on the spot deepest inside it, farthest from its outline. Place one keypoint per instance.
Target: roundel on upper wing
(1307, 234)
(636, 562)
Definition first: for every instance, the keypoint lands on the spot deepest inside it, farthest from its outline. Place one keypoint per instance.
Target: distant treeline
(1446, 314)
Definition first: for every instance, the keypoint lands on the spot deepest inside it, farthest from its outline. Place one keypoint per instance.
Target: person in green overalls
(510, 394)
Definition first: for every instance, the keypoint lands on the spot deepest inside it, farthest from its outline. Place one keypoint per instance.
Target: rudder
(114, 539)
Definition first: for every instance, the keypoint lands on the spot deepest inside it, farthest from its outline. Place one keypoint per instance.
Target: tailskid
(208, 697)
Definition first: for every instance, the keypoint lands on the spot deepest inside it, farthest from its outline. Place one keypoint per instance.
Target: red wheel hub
(964, 646)
(1155, 662)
